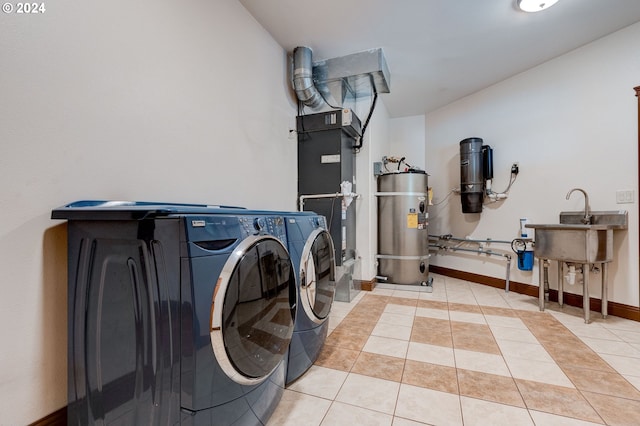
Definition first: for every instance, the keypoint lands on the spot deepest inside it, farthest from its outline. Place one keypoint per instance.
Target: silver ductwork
(303, 78)
(333, 82)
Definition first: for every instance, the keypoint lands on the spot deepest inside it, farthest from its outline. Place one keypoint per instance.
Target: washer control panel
(272, 225)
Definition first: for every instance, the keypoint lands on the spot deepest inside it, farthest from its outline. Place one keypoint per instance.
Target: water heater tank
(403, 246)
(471, 175)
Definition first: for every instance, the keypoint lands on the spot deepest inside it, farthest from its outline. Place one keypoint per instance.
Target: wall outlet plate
(625, 196)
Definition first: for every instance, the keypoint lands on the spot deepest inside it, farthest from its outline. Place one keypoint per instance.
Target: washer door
(253, 310)
(317, 276)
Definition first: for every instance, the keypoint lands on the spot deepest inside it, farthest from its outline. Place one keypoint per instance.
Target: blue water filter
(524, 249)
(525, 260)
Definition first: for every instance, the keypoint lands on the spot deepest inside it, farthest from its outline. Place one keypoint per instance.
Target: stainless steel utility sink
(581, 238)
(572, 241)
(614, 219)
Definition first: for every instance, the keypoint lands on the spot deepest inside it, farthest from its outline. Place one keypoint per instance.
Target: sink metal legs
(585, 288)
(605, 290)
(560, 283)
(585, 293)
(541, 284)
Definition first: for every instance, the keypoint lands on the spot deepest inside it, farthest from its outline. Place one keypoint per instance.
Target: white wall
(571, 122)
(407, 139)
(376, 144)
(166, 101)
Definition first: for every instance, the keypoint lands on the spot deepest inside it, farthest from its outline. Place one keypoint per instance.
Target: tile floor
(467, 354)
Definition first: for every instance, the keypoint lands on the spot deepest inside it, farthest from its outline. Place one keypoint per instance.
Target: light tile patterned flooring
(467, 354)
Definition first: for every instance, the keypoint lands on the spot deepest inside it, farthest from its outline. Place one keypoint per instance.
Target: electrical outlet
(625, 196)
(515, 168)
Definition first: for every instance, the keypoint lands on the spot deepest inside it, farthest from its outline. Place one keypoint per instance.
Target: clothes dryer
(178, 314)
(313, 256)
(312, 252)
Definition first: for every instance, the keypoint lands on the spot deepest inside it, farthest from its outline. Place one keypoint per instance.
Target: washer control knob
(259, 223)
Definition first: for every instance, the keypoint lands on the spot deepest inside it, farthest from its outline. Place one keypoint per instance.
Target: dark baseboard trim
(367, 285)
(57, 418)
(614, 308)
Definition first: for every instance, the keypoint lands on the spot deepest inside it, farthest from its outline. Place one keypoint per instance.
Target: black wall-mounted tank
(471, 175)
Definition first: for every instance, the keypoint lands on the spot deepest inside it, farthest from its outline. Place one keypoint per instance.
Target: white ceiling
(439, 51)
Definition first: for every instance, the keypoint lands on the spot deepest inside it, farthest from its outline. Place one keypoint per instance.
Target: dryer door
(317, 276)
(253, 310)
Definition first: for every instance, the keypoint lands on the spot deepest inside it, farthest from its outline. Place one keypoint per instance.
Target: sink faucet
(587, 214)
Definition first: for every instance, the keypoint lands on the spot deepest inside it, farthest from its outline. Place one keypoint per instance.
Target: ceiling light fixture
(535, 5)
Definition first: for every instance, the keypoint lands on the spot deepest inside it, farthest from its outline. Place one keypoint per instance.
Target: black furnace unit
(326, 158)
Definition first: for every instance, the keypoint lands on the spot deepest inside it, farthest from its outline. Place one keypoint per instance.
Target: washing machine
(177, 314)
(313, 256)
(312, 253)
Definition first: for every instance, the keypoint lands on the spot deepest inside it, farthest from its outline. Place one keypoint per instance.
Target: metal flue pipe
(303, 84)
